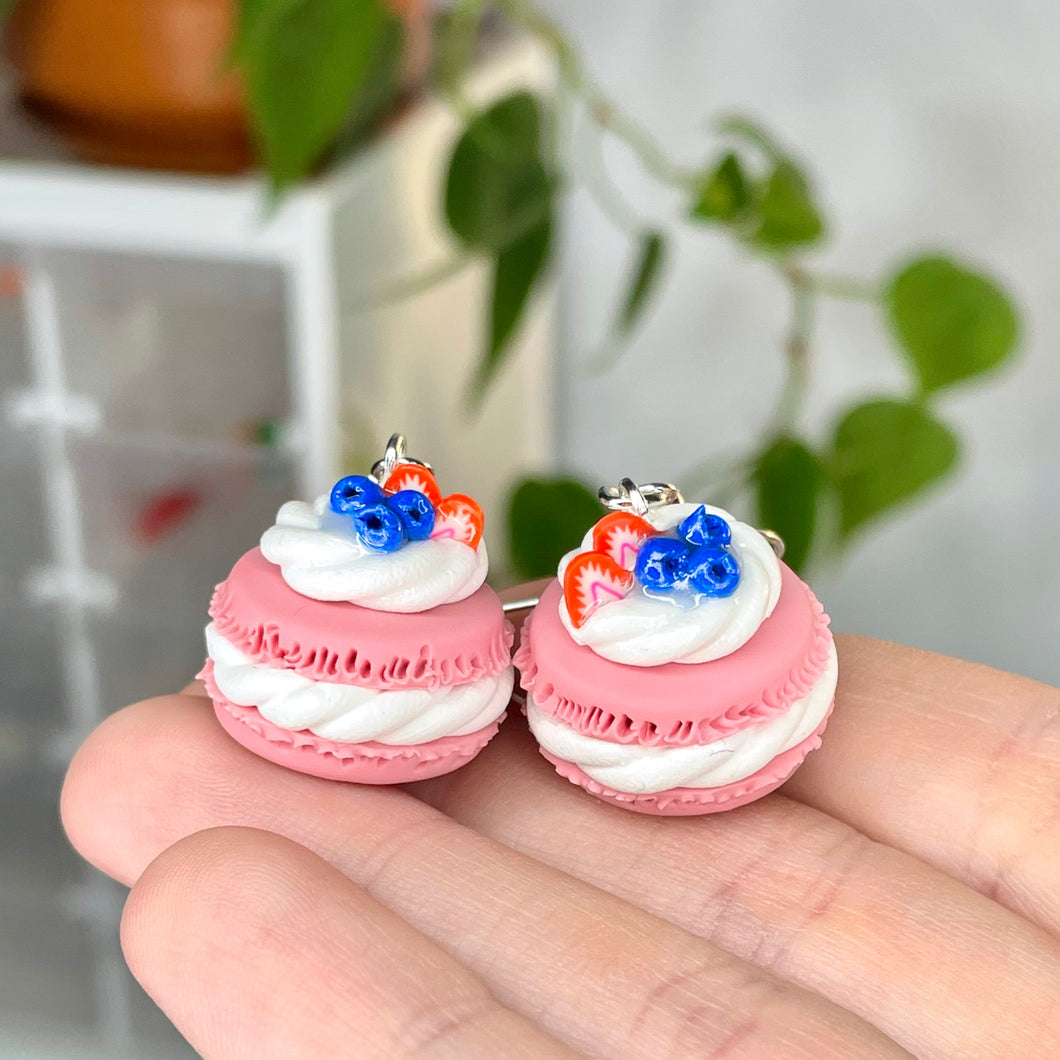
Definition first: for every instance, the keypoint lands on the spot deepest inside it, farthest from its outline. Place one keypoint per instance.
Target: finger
(941, 969)
(256, 948)
(601, 974)
(954, 762)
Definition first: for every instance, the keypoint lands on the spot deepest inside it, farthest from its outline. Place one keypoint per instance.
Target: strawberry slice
(458, 517)
(413, 477)
(593, 579)
(620, 535)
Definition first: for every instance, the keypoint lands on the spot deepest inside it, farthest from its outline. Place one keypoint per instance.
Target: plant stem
(458, 44)
(718, 479)
(604, 111)
(797, 351)
(847, 287)
(598, 180)
(408, 286)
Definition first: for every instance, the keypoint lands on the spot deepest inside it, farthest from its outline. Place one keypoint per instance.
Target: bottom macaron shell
(364, 763)
(686, 802)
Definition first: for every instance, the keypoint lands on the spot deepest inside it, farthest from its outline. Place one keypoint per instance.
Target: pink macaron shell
(338, 642)
(687, 802)
(359, 763)
(676, 704)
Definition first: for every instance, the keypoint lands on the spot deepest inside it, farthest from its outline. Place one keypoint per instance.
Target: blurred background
(533, 238)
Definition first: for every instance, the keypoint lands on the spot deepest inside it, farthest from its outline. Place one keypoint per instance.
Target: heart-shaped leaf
(950, 322)
(497, 188)
(546, 518)
(885, 452)
(304, 65)
(726, 194)
(788, 479)
(788, 216)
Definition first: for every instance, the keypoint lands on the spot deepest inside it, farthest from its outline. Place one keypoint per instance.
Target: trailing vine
(948, 322)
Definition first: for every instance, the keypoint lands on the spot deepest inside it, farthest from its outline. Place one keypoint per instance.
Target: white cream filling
(320, 557)
(639, 770)
(643, 630)
(349, 713)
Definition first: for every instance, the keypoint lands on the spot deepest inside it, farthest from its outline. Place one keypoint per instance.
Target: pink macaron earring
(676, 665)
(359, 642)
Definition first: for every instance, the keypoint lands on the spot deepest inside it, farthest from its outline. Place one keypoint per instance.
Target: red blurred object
(165, 513)
(10, 281)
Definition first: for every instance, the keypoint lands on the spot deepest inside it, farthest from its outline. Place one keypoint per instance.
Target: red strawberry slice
(459, 517)
(413, 477)
(593, 579)
(620, 535)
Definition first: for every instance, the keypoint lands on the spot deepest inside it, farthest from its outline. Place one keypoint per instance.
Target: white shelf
(166, 319)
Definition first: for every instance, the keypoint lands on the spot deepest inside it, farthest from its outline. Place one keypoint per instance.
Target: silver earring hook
(520, 605)
(776, 542)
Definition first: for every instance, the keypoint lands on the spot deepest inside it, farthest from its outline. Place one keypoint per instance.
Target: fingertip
(203, 883)
(84, 792)
(103, 780)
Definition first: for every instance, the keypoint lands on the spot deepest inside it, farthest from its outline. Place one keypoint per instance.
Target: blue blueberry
(713, 571)
(416, 511)
(702, 528)
(380, 527)
(354, 492)
(661, 563)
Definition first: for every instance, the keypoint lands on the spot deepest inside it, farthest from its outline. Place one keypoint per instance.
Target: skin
(900, 896)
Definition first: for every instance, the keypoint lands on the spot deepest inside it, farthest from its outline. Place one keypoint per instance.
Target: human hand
(899, 896)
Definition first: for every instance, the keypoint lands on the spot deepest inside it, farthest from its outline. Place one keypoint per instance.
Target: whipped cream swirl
(639, 770)
(320, 556)
(649, 630)
(351, 713)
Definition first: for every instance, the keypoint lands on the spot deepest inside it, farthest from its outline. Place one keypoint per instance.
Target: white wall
(927, 126)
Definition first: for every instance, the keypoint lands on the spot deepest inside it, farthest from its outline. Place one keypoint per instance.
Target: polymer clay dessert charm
(359, 641)
(676, 666)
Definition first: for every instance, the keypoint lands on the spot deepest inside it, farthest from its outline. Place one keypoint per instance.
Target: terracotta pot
(143, 82)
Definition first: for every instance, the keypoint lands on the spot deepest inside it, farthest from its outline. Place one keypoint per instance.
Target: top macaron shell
(342, 643)
(675, 704)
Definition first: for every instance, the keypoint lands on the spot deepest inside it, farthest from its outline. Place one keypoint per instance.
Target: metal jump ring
(628, 496)
(396, 453)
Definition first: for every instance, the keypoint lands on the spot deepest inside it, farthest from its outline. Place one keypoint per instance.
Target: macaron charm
(687, 673)
(359, 642)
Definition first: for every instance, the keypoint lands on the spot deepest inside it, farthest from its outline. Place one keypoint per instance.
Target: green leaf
(726, 194)
(788, 478)
(788, 216)
(951, 322)
(382, 84)
(305, 63)
(252, 19)
(885, 452)
(497, 187)
(546, 518)
(516, 269)
(651, 256)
